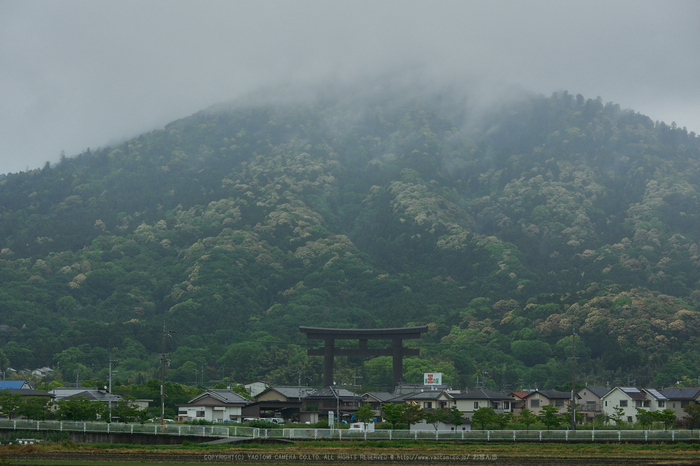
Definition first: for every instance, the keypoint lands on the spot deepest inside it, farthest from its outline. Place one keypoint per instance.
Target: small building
(471, 400)
(590, 401)
(431, 399)
(42, 371)
(214, 405)
(375, 400)
(678, 399)
(332, 399)
(256, 388)
(15, 384)
(278, 401)
(535, 400)
(518, 400)
(631, 398)
(94, 394)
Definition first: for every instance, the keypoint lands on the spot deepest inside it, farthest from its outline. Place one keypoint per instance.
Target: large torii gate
(396, 350)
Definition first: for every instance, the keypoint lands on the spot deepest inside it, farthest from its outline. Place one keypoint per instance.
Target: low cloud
(78, 74)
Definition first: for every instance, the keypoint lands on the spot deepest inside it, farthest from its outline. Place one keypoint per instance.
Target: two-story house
(375, 400)
(471, 400)
(628, 399)
(535, 400)
(431, 399)
(278, 401)
(590, 401)
(678, 399)
(338, 400)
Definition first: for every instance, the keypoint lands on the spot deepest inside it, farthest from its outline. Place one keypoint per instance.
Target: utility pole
(354, 386)
(573, 380)
(110, 385)
(162, 382)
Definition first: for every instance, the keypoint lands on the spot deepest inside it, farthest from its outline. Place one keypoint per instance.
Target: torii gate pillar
(397, 351)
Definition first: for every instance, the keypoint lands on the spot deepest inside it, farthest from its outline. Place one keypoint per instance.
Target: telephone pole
(110, 385)
(162, 382)
(573, 380)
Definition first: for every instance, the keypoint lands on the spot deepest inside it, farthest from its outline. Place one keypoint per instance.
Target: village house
(214, 405)
(590, 401)
(430, 399)
(631, 398)
(375, 400)
(278, 401)
(535, 400)
(15, 385)
(471, 400)
(678, 399)
(332, 399)
(518, 401)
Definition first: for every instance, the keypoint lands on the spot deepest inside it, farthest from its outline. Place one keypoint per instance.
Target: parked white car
(361, 427)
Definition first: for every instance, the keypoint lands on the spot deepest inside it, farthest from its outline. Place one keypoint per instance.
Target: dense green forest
(503, 233)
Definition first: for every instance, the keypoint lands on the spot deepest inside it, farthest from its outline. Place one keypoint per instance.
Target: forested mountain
(236, 225)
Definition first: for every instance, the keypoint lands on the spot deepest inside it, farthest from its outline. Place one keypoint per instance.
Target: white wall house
(631, 398)
(214, 406)
(470, 401)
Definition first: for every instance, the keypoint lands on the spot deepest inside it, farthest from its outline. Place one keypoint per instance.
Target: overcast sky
(79, 74)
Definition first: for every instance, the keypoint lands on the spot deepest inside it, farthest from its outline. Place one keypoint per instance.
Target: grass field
(377, 452)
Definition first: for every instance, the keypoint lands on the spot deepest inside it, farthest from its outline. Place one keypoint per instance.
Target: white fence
(115, 427)
(341, 434)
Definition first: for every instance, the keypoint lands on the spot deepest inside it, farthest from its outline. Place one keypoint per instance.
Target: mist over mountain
(503, 226)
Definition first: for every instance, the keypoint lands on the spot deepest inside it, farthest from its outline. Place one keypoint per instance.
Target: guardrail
(341, 434)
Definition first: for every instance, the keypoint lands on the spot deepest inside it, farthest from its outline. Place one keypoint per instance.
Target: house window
(674, 405)
(495, 405)
(443, 404)
(534, 403)
(476, 405)
(200, 413)
(662, 404)
(623, 403)
(637, 403)
(506, 405)
(558, 403)
(427, 404)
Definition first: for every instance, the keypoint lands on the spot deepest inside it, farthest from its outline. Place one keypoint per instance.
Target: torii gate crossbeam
(396, 350)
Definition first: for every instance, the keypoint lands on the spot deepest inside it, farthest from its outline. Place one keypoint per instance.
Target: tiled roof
(28, 392)
(223, 395)
(331, 392)
(426, 395)
(598, 391)
(481, 394)
(291, 392)
(681, 393)
(379, 396)
(89, 393)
